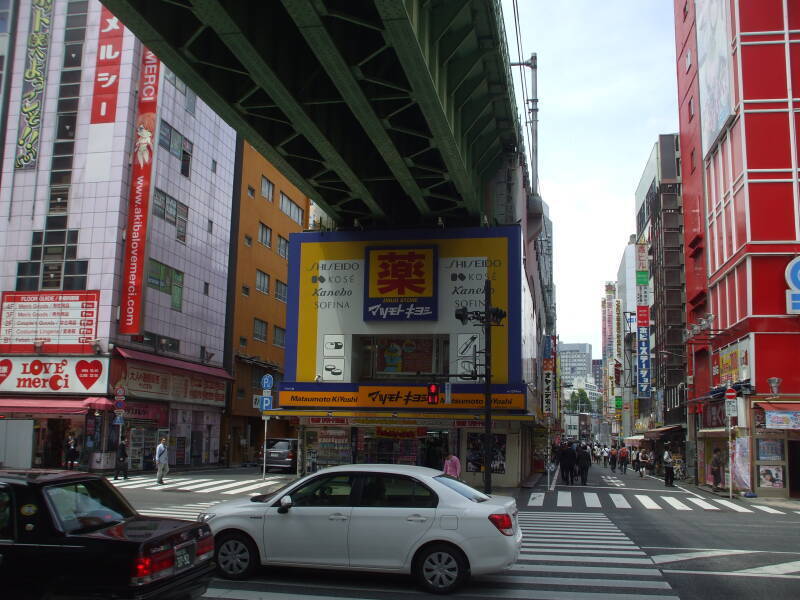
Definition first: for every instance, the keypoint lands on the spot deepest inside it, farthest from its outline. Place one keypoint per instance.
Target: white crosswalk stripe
(675, 503)
(564, 499)
(647, 502)
(172, 484)
(536, 499)
(269, 481)
(179, 511)
(586, 552)
(732, 506)
(203, 485)
(703, 504)
(768, 509)
(619, 501)
(592, 500)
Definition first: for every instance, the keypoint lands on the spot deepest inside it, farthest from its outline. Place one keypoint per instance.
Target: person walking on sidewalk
(642, 462)
(612, 459)
(452, 466)
(584, 462)
(604, 453)
(568, 460)
(716, 469)
(635, 459)
(121, 464)
(162, 461)
(623, 459)
(669, 471)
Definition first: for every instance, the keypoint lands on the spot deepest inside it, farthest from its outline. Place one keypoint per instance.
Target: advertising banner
(59, 375)
(782, 419)
(401, 284)
(475, 453)
(33, 85)
(134, 261)
(386, 397)
(142, 381)
(547, 393)
(63, 322)
(741, 464)
(643, 362)
(107, 66)
(643, 316)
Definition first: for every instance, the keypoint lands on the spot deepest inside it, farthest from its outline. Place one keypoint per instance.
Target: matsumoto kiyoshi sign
(401, 284)
(54, 375)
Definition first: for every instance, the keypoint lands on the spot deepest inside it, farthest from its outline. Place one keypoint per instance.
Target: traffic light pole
(488, 438)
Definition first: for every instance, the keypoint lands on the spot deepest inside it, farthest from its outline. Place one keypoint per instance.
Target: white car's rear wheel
(440, 568)
(237, 556)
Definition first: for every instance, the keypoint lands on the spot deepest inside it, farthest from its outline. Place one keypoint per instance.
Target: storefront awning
(660, 432)
(712, 431)
(174, 363)
(395, 415)
(633, 440)
(773, 406)
(53, 406)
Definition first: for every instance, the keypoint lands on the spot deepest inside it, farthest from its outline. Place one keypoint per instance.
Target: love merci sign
(65, 375)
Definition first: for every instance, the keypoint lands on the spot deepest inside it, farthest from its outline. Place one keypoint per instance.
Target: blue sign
(118, 420)
(266, 382)
(792, 275)
(266, 403)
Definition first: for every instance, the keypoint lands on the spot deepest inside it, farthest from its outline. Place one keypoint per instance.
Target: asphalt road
(621, 537)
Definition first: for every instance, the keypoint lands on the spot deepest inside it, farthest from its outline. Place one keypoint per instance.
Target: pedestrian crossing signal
(433, 393)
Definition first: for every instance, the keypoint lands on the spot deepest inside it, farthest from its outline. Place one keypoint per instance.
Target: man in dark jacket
(584, 462)
(121, 464)
(568, 460)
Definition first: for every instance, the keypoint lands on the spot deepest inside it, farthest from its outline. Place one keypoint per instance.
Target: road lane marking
(605, 551)
(703, 504)
(619, 501)
(584, 559)
(675, 503)
(732, 506)
(226, 486)
(564, 499)
(567, 545)
(204, 484)
(592, 500)
(767, 509)
(779, 569)
(660, 559)
(148, 483)
(181, 482)
(255, 486)
(536, 499)
(728, 574)
(574, 581)
(647, 502)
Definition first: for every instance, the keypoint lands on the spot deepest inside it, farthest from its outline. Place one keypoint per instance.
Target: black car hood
(140, 529)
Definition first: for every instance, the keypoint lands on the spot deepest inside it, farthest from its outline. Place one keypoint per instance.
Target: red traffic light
(433, 393)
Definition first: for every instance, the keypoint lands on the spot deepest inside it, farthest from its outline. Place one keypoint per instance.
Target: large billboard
(714, 68)
(415, 281)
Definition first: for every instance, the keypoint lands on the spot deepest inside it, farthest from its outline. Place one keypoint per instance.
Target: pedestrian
(452, 466)
(669, 471)
(716, 469)
(642, 462)
(598, 453)
(70, 452)
(605, 456)
(121, 464)
(584, 462)
(162, 461)
(568, 460)
(612, 459)
(635, 458)
(622, 458)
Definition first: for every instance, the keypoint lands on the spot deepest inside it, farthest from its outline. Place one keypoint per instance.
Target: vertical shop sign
(134, 263)
(33, 85)
(401, 284)
(107, 66)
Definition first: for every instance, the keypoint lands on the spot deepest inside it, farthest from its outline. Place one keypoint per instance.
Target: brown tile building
(267, 209)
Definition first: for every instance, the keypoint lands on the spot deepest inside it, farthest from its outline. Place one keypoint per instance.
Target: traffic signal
(433, 393)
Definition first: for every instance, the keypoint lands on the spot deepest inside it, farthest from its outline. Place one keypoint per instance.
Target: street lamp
(489, 317)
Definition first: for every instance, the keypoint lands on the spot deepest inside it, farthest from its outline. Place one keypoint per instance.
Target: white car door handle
(337, 517)
(417, 518)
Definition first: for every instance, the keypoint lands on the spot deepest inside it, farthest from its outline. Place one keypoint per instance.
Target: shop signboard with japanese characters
(34, 79)
(107, 67)
(54, 375)
(142, 381)
(388, 304)
(62, 322)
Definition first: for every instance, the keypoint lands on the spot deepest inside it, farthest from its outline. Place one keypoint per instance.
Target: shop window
(281, 291)
(283, 247)
(396, 356)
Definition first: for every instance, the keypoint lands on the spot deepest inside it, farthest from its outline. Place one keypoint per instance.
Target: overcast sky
(606, 90)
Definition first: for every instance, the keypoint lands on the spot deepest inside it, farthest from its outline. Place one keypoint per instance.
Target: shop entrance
(793, 467)
(56, 435)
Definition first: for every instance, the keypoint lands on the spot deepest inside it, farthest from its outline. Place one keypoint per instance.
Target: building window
(52, 264)
(693, 160)
(245, 290)
(262, 281)
(265, 235)
(259, 330)
(165, 279)
(243, 341)
(191, 102)
(678, 166)
(281, 291)
(248, 241)
(206, 287)
(279, 336)
(178, 146)
(691, 108)
(210, 226)
(213, 166)
(283, 247)
(688, 59)
(294, 211)
(267, 188)
(172, 211)
(251, 192)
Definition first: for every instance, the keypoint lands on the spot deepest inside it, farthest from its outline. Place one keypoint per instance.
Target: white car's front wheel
(237, 556)
(440, 568)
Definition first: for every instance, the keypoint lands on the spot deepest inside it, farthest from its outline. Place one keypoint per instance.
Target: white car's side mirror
(286, 504)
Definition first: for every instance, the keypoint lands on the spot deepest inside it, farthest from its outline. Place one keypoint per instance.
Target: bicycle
(679, 471)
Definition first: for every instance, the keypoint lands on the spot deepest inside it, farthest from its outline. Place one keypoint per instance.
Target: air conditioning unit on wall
(690, 380)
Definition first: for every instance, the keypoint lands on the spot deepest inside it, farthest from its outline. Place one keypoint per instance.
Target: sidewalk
(788, 503)
(523, 489)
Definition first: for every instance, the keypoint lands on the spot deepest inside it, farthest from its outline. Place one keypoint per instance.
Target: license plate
(274, 454)
(182, 558)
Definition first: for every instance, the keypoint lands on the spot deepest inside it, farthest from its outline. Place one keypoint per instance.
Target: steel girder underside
(392, 112)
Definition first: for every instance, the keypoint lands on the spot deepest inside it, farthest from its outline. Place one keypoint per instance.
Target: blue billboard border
(512, 233)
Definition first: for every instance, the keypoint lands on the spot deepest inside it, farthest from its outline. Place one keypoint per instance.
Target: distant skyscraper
(576, 361)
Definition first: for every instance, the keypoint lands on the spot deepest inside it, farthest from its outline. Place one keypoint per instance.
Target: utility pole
(488, 438)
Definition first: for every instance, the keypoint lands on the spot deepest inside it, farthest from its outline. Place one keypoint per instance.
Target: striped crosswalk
(188, 512)
(655, 502)
(202, 485)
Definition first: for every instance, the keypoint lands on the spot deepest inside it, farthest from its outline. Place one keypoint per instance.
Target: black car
(66, 534)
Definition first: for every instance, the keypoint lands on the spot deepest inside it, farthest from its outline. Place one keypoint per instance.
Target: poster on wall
(475, 453)
(770, 476)
(782, 419)
(741, 464)
(769, 450)
(405, 355)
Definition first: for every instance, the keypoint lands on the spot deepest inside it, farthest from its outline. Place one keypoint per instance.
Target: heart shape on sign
(88, 372)
(5, 369)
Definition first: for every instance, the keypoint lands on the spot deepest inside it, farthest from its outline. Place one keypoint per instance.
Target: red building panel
(771, 60)
(740, 209)
(776, 356)
(769, 285)
(767, 141)
(772, 214)
(760, 15)
(741, 291)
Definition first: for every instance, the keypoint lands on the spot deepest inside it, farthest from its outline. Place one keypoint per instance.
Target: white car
(384, 518)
